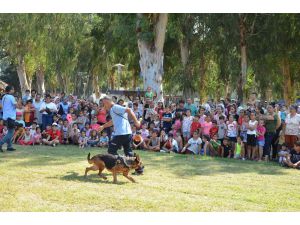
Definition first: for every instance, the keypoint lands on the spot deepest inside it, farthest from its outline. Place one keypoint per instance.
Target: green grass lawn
(43, 178)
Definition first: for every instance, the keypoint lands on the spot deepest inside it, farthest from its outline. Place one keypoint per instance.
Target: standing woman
(251, 136)
(292, 124)
(9, 116)
(48, 108)
(272, 123)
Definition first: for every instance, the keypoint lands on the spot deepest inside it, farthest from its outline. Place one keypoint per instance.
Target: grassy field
(51, 179)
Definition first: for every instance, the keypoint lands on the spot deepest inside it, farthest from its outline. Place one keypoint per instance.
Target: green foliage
(74, 47)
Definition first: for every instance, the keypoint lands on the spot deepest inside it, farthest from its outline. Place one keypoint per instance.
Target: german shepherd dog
(114, 164)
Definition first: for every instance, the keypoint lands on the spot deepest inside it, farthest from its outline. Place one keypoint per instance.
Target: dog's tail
(89, 158)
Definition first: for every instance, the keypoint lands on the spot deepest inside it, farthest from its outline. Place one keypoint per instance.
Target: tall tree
(151, 31)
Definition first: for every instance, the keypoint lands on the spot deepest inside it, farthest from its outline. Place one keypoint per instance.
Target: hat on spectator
(54, 124)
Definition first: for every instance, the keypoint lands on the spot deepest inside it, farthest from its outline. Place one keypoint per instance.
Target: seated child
(87, 129)
(37, 137)
(170, 145)
(145, 132)
(283, 154)
(138, 141)
(54, 136)
(93, 139)
(27, 138)
(104, 140)
(293, 159)
(83, 139)
(60, 124)
(179, 140)
(163, 138)
(33, 128)
(226, 149)
(214, 146)
(46, 132)
(74, 134)
(154, 142)
(19, 131)
(193, 145)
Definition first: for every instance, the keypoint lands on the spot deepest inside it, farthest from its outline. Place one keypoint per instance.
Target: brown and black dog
(114, 164)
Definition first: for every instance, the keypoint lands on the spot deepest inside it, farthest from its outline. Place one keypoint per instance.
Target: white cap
(54, 124)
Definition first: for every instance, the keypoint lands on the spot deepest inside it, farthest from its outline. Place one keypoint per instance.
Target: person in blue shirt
(9, 116)
(122, 129)
(190, 106)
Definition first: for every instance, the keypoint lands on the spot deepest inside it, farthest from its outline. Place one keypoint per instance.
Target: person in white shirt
(292, 127)
(251, 136)
(186, 125)
(48, 108)
(193, 145)
(37, 105)
(171, 145)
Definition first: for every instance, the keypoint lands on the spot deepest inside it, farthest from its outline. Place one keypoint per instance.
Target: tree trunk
(152, 56)
(40, 80)
(135, 79)
(243, 46)
(287, 82)
(22, 75)
(187, 73)
(202, 85)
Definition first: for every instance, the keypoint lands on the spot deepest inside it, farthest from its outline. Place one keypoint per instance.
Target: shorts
(261, 143)
(244, 136)
(186, 134)
(233, 139)
(251, 140)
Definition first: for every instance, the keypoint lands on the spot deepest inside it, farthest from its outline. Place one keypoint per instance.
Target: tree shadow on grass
(92, 178)
(181, 165)
(188, 165)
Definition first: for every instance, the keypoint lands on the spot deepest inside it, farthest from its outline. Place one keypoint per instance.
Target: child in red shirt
(195, 126)
(214, 129)
(53, 137)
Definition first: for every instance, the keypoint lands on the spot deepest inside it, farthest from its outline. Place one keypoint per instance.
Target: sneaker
(243, 159)
(11, 149)
(53, 145)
